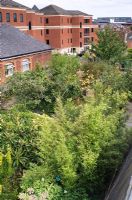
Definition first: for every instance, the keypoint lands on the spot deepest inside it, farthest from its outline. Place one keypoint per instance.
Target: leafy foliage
(110, 46)
(39, 89)
(75, 141)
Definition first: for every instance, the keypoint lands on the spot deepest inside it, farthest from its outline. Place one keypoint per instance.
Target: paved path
(129, 122)
(122, 182)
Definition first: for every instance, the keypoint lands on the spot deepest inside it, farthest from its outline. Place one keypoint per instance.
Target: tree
(72, 145)
(38, 89)
(130, 53)
(110, 46)
(19, 131)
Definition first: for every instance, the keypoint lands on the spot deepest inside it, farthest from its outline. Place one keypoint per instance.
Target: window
(71, 30)
(68, 40)
(86, 41)
(47, 41)
(86, 21)
(80, 24)
(62, 31)
(68, 20)
(62, 41)
(9, 69)
(47, 31)
(86, 31)
(80, 34)
(41, 32)
(47, 20)
(7, 17)
(41, 20)
(15, 17)
(71, 20)
(92, 39)
(21, 18)
(25, 65)
(74, 50)
(30, 26)
(0, 17)
(71, 40)
(68, 30)
(80, 44)
(92, 30)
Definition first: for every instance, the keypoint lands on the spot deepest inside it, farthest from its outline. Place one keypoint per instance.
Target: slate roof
(77, 12)
(48, 10)
(12, 4)
(14, 42)
(35, 8)
(55, 10)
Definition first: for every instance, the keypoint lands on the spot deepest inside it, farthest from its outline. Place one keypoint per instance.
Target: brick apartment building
(67, 31)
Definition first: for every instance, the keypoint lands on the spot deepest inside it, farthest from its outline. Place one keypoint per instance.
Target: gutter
(25, 54)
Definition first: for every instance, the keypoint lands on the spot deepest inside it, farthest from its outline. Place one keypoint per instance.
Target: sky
(98, 8)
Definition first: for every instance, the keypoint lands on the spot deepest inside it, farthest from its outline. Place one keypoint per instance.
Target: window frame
(25, 64)
(1, 17)
(14, 17)
(47, 31)
(8, 17)
(21, 18)
(9, 67)
(46, 20)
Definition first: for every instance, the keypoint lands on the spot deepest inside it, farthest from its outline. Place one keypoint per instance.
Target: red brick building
(129, 39)
(67, 31)
(19, 52)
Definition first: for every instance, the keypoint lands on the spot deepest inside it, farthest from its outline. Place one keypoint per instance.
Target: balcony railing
(87, 34)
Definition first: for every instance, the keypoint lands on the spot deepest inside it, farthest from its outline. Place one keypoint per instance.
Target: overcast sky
(98, 8)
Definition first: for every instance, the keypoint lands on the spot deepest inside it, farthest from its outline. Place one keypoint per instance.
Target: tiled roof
(55, 10)
(15, 43)
(12, 4)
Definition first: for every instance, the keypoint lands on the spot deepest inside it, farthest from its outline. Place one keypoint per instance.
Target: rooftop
(48, 10)
(56, 10)
(16, 43)
(35, 8)
(12, 4)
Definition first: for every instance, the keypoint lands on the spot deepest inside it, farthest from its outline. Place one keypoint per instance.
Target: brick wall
(41, 58)
(129, 42)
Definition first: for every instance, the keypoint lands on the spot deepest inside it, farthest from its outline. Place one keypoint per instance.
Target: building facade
(67, 31)
(20, 52)
(129, 39)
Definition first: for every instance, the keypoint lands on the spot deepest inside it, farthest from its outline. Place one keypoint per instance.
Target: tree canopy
(110, 46)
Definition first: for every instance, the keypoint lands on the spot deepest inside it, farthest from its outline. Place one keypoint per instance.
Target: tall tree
(110, 45)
